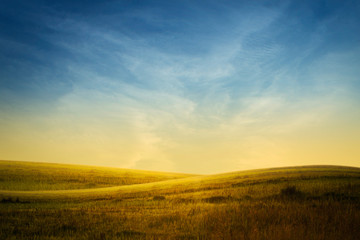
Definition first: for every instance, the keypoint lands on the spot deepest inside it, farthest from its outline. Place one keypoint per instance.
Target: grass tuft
(291, 192)
(159, 198)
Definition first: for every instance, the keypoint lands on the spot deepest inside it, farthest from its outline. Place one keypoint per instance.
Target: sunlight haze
(180, 86)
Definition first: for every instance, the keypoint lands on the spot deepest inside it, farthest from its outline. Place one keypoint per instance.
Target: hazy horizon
(180, 86)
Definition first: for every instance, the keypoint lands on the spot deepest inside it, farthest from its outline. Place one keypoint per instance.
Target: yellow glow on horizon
(237, 144)
(324, 146)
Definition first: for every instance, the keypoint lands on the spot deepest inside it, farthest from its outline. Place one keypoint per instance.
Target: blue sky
(174, 85)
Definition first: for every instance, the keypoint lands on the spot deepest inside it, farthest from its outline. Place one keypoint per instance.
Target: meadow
(308, 202)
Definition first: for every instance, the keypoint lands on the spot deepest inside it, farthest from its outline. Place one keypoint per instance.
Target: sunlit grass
(288, 203)
(24, 176)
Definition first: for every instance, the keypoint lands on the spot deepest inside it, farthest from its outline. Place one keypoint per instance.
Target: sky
(181, 86)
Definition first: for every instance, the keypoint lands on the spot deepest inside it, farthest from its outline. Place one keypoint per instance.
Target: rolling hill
(26, 176)
(312, 202)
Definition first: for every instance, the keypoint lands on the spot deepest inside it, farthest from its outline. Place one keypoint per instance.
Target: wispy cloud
(178, 85)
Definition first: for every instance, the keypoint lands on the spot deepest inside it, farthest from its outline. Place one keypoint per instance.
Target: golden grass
(310, 202)
(29, 176)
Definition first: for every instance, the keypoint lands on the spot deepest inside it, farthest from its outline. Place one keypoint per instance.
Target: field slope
(309, 202)
(25, 176)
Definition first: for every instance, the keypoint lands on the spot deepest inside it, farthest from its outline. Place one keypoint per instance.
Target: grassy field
(311, 202)
(24, 176)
